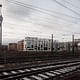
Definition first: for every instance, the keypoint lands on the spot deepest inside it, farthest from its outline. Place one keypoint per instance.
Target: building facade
(37, 44)
(40, 44)
(12, 46)
(20, 45)
(4, 48)
(0, 25)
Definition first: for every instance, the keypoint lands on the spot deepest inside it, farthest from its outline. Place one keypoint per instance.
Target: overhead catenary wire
(71, 4)
(17, 1)
(41, 24)
(66, 7)
(39, 10)
(36, 24)
(50, 11)
(48, 19)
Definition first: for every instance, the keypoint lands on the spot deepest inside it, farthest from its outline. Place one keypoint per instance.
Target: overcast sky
(40, 18)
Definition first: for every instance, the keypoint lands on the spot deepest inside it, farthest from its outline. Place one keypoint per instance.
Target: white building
(0, 25)
(37, 44)
(40, 44)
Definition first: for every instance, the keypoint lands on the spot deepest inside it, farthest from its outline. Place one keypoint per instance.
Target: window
(28, 44)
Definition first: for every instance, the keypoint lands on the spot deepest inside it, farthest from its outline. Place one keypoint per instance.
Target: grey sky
(21, 21)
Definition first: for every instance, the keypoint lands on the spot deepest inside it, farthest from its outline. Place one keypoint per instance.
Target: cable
(37, 24)
(25, 34)
(31, 22)
(71, 4)
(46, 10)
(45, 25)
(41, 24)
(67, 7)
(38, 10)
(57, 23)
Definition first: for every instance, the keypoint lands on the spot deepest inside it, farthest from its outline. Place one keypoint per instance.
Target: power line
(51, 20)
(41, 11)
(12, 33)
(46, 9)
(67, 7)
(30, 22)
(71, 4)
(37, 24)
(46, 25)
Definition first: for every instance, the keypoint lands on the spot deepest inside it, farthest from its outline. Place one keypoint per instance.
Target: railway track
(49, 71)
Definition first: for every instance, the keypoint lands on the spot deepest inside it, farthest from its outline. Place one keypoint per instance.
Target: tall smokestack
(0, 26)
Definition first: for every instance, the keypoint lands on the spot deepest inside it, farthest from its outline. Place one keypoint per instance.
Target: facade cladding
(0, 26)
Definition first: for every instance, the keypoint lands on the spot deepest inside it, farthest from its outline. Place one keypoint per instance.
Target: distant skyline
(40, 18)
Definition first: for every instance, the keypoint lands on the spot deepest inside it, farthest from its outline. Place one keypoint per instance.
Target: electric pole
(73, 44)
(52, 43)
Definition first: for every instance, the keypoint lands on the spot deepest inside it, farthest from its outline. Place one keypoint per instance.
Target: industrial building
(0, 25)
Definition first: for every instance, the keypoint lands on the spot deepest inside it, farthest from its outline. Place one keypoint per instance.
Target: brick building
(12, 46)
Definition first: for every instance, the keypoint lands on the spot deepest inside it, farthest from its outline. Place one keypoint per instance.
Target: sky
(40, 18)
